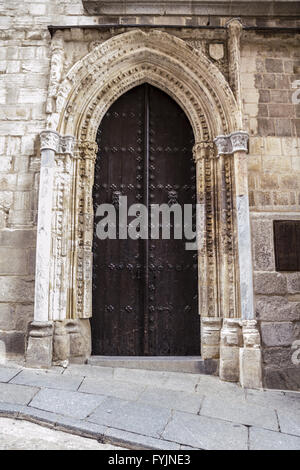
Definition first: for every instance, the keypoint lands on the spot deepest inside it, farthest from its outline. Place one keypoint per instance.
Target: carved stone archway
(76, 104)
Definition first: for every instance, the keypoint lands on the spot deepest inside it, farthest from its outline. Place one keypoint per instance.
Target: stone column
(40, 340)
(39, 349)
(236, 350)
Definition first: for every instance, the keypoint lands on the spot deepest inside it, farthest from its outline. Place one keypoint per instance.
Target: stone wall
(269, 68)
(270, 64)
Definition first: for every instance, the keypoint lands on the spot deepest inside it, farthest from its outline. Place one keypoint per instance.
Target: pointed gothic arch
(77, 106)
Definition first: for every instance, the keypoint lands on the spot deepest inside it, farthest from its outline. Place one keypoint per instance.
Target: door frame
(68, 151)
(183, 331)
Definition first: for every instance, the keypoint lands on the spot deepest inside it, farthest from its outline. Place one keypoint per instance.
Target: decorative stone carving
(216, 50)
(235, 28)
(56, 69)
(51, 140)
(158, 58)
(234, 142)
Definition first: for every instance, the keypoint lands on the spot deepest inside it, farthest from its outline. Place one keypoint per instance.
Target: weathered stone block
(263, 252)
(14, 289)
(283, 379)
(293, 283)
(23, 316)
(14, 342)
(7, 317)
(229, 363)
(278, 333)
(40, 345)
(274, 65)
(276, 308)
(270, 283)
(13, 261)
(277, 358)
(250, 368)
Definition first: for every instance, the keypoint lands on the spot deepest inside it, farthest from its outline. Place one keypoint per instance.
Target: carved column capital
(239, 141)
(234, 142)
(203, 149)
(52, 140)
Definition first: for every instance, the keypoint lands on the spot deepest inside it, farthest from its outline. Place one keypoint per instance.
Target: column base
(40, 345)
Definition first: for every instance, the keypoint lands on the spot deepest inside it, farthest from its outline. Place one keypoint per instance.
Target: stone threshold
(103, 434)
(184, 364)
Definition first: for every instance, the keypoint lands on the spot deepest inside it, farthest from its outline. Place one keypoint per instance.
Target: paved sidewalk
(145, 409)
(23, 435)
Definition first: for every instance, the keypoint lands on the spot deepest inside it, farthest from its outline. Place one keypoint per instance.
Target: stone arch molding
(76, 105)
(131, 58)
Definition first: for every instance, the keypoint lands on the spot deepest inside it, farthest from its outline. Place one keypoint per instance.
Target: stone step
(185, 364)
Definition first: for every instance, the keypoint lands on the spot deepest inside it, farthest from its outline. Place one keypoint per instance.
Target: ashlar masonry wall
(270, 68)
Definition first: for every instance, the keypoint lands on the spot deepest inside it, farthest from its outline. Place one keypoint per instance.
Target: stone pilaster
(40, 347)
(206, 168)
(83, 232)
(235, 28)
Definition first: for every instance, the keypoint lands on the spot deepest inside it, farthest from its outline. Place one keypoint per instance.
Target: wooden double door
(145, 291)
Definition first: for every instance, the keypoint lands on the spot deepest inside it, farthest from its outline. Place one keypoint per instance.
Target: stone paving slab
(213, 386)
(174, 399)
(7, 373)
(67, 403)
(159, 412)
(85, 370)
(21, 435)
(262, 439)
(137, 441)
(239, 412)
(205, 433)
(46, 380)
(130, 416)
(169, 380)
(17, 394)
(275, 400)
(113, 388)
(289, 422)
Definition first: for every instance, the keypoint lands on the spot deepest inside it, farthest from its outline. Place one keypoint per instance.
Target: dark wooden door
(145, 295)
